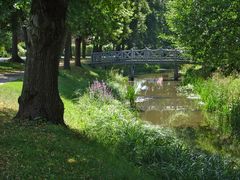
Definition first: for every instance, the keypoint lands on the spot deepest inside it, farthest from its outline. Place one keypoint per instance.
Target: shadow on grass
(42, 150)
(9, 67)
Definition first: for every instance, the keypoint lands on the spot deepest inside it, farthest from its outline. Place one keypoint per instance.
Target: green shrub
(131, 96)
(3, 52)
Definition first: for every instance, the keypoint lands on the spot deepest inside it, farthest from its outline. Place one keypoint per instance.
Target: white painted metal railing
(138, 55)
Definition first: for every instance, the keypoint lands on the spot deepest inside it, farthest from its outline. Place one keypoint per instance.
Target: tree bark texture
(67, 53)
(84, 48)
(15, 28)
(45, 38)
(78, 41)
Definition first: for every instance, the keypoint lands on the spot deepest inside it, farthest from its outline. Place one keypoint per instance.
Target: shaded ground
(7, 77)
(39, 150)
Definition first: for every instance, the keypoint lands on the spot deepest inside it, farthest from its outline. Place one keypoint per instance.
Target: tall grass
(112, 123)
(221, 96)
(153, 148)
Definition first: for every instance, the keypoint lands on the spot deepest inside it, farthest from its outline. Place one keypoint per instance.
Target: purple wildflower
(100, 90)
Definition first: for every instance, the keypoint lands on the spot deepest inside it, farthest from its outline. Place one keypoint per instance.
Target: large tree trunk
(84, 48)
(15, 28)
(78, 41)
(67, 53)
(40, 97)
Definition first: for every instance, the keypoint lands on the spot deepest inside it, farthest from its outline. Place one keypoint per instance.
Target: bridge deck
(157, 56)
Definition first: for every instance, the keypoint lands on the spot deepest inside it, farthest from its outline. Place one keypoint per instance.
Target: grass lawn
(105, 139)
(42, 150)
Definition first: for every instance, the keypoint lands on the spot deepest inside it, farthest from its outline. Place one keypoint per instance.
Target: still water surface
(162, 104)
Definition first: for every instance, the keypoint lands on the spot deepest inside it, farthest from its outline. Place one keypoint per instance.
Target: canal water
(161, 103)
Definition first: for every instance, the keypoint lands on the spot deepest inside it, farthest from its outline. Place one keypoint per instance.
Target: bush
(3, 52)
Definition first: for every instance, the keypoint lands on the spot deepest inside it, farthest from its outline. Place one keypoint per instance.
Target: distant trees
(209, 29)
(120, 24)
(13, 13)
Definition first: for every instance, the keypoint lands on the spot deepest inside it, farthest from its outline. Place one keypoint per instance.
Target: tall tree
(12, 13)
(15, 29)
(157, 28)
(40, 97)
(67, 52)
(138, 24)
(210, 29)
(78, 42)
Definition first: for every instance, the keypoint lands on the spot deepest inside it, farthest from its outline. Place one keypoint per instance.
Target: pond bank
(166, 103)
(155, 149)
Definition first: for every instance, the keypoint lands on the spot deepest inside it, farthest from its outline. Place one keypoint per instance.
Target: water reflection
(161, 104)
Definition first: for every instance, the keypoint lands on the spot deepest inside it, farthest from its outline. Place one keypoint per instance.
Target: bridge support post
(131, 73)
(176, 73)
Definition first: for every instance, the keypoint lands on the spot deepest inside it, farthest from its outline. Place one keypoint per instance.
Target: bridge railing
(138, 55)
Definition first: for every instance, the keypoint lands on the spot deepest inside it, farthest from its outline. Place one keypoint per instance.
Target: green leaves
(210, 29)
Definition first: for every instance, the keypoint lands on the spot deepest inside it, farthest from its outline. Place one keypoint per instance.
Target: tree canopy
(210, 29)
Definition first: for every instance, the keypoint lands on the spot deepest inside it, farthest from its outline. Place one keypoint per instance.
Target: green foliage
(220, 95)
(5, 43)
(13, 13)
(3, 52)
(125, 24)
(42, 150)
(131, 95)
(152, 148)
(157, 27)
(113, 15)
(209, 29)
(112, 124)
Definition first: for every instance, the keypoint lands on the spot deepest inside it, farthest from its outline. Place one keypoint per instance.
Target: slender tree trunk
(84, 48)
(71, 54)
(100, 48)
(40, 97)
(15, 27)
(78, 51)
(67, 53)
(118, 47)
(95, 48)
(123, 47)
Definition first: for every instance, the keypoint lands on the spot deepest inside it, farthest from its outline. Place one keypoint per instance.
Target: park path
(8, 77)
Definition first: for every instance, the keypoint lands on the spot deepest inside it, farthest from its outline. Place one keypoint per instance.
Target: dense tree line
(120, 23)
(210, 29)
